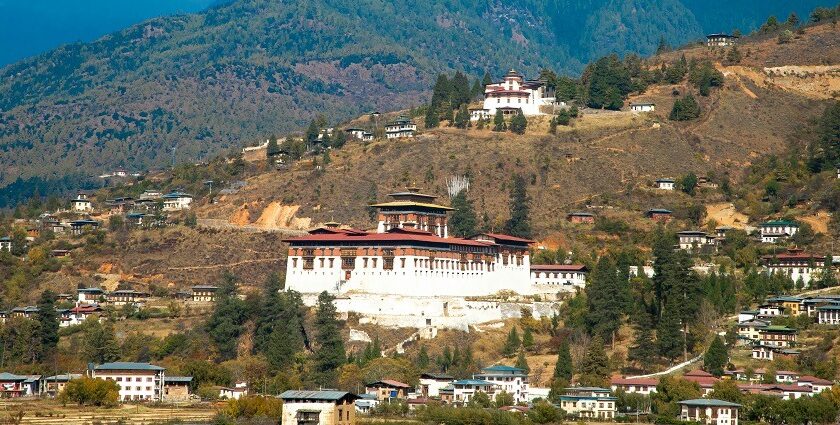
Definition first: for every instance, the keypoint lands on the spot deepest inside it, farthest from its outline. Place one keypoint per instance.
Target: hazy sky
(29, 27)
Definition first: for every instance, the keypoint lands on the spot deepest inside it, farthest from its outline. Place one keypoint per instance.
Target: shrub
(89, 391)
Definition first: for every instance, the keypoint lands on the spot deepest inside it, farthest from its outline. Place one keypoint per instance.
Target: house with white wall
(137, 381)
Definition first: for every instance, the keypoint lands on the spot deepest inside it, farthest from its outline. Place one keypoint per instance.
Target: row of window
(128, 379)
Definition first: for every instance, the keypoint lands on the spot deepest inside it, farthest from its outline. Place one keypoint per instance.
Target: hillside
(187, 87)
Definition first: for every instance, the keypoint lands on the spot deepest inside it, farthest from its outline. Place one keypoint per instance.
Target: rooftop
(330, 395)
(708, 402)
(128, 366)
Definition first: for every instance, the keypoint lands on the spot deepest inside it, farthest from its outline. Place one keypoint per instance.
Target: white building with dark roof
(514, 93)
(137, 381)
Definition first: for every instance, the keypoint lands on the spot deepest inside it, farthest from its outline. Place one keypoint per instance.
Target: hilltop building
(642, 106)
(401, 127)
(665, 184)
(6, 244)
(795, 264)
(777, 230)
(513, 94)
(720, 40)
(81, 203)
(177, 201)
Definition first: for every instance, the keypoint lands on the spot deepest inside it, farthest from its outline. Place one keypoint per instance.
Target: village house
(464, 390)
(6, 244)
(318, 408)
(79, 227)
(54, 385)
(120, 205)
(511, 380)
(137, 381)
(204, 293)
(177, 388)
(720, 40)
(151, 194)
(766, 311)
(358, 133)
(479, 114)
(366, 403)
(811, 304)
(778, 336)
(642, 106)
(238, 390)
(553, 278)
(24, 312)
(792, 306)
(32, 233)
(432, 383)
(665, 184)
(769, 352)
(15, 386)
(722, 231)
(135, 219)
(79, 314)
(747, 315)
(81, 203)
(122, 297)
(796, 265)
(581, 217)
(777, 230)
(750, 330)
(4, 315)
(709, 411)
(401, 127)
(177, 201)
(817, 385)
(704, 379)
(696, 240)
(52, 225)
(659, 215)
(388, 389)
(588, 403)
(514, 94)
(828, 314)
(89, 295)
(644, 386)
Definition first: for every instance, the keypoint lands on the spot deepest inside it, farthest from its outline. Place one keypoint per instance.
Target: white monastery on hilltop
(513, 94)
(411, 272)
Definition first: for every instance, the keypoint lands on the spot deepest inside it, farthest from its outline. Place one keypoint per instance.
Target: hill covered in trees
(186, 87)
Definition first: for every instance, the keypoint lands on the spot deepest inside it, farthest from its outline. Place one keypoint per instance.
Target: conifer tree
(423, 358)
(528, 339)
(669, 338)
(519, 224)
(643, 350)
(563, 368)
(330, 354)
(287, 336)
(606, 294)
(552, 125)
(522, 362)
(487, 79)
(716, 357)
(462, 119)
(460, 94)
(685, 109)
(225, 325)
(47, 319)
(100, 343)
(463, 222)
(432, 118)
(499, 121)
(511, 344)
(595, 367)
(518, 124)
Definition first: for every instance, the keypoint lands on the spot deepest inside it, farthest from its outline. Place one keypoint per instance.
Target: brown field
(50, 412)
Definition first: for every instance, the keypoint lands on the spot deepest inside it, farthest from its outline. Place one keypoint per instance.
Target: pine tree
(528, 339)
(101, 343)
(512, 344)
(477, 91)
(499, 121)
(519, 222)
(432, 118)
(552, 126)
(716, 357)
(522, 362)
(595, 367)
(669, 338)
(423, 358)
(225, 325)
(47, 324)
(487, 79)
(460, 92)
(330, 354)
(685, 109)
(463, 222)
(287, 336)
(311, 135)
(643, 350)
(462, 119)
(563, 368)
(518, 123)
(605, 296)
(662, 47)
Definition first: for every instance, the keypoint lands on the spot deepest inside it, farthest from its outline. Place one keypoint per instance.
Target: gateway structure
(410, 271)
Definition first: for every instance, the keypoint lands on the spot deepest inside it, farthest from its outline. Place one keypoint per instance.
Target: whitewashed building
(177, 201)
(720, 40)
(432, 383)
(553, 278)
(828, 314)
(81, 203)
(709, 411)
(777, 230)
(796, 265)
(318, 407)
(696, 240)
(665, 184)
(137, 381)
(511, 380)
(238, 390)
(401, 127)
(644, 386)
(6, 244)
(463, 390)
(514, 94)
(642, 106)
(589, 403)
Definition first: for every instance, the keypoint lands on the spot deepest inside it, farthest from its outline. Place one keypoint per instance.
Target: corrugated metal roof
(128, 366)
(331, 395)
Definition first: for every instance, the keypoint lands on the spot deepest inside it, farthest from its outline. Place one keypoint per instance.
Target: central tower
(413, 210)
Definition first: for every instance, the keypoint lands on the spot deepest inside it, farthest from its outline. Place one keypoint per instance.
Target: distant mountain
(192, 85)
(31, 27)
